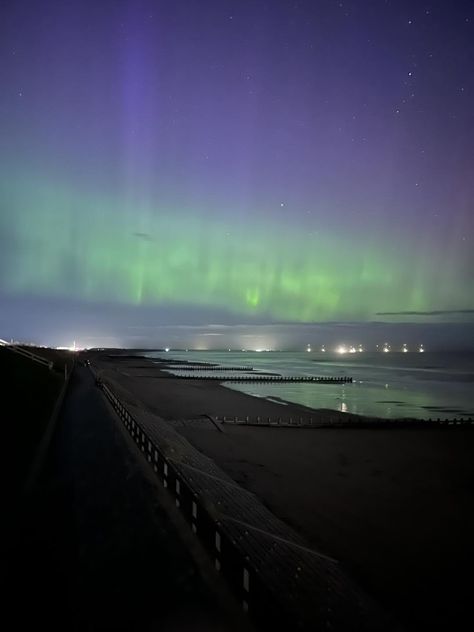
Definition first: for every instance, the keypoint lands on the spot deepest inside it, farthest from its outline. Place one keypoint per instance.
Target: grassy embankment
(29, 393)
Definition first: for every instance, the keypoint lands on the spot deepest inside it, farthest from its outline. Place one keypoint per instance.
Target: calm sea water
(394, 385)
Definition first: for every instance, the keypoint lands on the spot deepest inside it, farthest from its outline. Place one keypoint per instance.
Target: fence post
(218, 551)
(246, 587)
(194, 517)
(178, 491)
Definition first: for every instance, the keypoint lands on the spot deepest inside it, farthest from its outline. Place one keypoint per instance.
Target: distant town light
(341, 349)
(167, 349)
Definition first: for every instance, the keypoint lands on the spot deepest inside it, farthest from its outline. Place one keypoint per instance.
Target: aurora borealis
(298, 162)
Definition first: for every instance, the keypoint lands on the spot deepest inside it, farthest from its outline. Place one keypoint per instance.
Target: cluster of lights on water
(340, 349)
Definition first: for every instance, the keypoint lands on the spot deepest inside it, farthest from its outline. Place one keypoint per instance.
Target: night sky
(170, 165)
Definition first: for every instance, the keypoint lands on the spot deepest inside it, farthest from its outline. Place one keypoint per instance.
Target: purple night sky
(170, 166)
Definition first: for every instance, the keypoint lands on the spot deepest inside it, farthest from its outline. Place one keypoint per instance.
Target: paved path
(94, 550)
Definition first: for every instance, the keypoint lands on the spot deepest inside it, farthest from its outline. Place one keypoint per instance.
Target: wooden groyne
(340, 421)
(277, 379)
(185, 363)
(215, 367)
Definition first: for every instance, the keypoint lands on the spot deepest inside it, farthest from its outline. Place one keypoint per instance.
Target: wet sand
(395, 506)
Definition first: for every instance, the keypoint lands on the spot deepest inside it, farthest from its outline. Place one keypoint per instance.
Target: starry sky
(212, 163)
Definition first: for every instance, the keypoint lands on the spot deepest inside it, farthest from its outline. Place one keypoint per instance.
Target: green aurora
(68, 243)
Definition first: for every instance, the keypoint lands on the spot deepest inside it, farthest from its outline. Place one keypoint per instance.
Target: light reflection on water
(385, 385)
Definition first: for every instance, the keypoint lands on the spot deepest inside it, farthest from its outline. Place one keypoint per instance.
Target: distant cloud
(439, 312)
(145, 236)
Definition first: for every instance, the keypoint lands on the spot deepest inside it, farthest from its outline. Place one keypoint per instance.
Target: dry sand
(396, 506)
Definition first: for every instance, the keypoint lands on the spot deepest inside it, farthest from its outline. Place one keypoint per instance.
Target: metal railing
(28, 354)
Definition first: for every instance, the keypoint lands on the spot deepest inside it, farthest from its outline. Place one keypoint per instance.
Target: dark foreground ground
(92, 547)
(28, 394)
(396, 507)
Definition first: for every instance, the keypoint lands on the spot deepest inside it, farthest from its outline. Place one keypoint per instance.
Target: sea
(427, 385)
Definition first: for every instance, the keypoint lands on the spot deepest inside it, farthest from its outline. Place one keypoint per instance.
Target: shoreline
(396, 386)
(243, 404)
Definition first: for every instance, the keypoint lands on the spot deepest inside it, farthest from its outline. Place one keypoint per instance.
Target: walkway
(94, 550)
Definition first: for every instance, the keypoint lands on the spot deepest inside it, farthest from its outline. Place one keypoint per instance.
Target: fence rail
(27, 354)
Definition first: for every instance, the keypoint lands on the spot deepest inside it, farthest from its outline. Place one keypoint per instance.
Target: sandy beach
(395, 506)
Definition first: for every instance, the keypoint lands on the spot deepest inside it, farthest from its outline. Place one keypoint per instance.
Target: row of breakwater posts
(277, 579)
(213, 367)
(184, 362)
(328, 421)
(265, 378)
